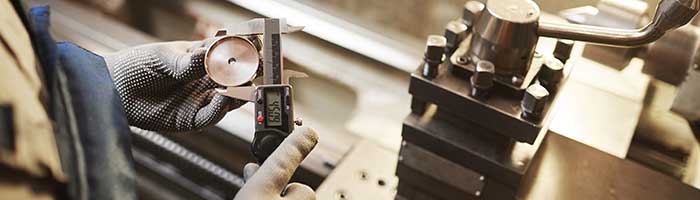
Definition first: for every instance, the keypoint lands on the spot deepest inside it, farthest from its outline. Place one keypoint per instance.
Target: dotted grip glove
(164, 87)
(269, 181)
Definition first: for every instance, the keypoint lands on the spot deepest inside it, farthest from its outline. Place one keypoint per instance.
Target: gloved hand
(164, 87)
(269, 181)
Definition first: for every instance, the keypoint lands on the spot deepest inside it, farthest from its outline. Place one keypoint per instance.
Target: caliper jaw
(247, 93)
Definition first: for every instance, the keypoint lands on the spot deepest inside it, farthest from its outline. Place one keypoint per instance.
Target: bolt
(482, 79)
(533, 102)
(434, 54)
(516, 80)
(551, 73)
(298, 121)
(562, 51)
(472, 11)
(455, 33)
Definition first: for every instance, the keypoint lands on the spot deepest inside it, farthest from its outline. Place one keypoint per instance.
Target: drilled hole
(363, 175)
(232, 60)
(340, 195)
(462, 60)
(381, 182)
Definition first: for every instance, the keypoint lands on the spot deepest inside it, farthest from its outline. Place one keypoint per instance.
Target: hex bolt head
(455, 33)
(472, 11)
(562, 50)
(299, 121)
(482, 79)
(533, 102)
(434, 54)
(551, 73)
(434, 47)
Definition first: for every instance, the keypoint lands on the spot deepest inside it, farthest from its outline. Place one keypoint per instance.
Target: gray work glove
(164, 87)
(269, 181)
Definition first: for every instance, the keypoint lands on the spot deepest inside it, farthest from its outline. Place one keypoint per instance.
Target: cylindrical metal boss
(506, 35)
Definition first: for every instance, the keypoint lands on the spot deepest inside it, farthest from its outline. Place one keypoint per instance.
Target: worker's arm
(164, 87)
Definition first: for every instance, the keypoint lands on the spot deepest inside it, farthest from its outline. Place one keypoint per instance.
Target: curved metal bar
(670, 14)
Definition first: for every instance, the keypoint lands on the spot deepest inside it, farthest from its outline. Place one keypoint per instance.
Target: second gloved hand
(164, 87)
(269, 181)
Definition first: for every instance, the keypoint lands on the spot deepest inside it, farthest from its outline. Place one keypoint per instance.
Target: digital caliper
(231, 62)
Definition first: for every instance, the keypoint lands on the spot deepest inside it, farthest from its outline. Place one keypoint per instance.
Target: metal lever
(670, 14)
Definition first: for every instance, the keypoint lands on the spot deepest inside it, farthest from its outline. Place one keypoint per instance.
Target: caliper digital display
(274, 108)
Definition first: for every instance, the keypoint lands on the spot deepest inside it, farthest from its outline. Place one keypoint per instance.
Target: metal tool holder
(483, 88)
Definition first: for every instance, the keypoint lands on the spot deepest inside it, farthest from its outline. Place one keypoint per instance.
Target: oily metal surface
(366, 172)
(231, 61)
(466, 148)
(431, 172)
(566, 169)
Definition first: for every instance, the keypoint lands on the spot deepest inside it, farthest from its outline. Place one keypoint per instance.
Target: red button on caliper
(260, 119)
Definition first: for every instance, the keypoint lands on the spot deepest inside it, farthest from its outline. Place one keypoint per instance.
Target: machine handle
(670, 14)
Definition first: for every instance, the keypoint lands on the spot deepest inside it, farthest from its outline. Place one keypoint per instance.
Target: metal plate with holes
(366, 172)
(467, 149)
(231, 61)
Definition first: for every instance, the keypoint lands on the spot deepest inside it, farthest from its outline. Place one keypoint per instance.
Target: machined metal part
(562, 50)
(273, 72)
(505, 34)
(466, 147)
(502, 106)
(482, 79)
(231, 61)
(534, 101)
(471, 12)
(455, 33)
(670, 14)
(436, 175)
(551, 73)
(247, 93)
(366, 172)
(434, 55)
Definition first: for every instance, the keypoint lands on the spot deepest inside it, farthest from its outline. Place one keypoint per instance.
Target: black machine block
(485, 156)
(500, 111)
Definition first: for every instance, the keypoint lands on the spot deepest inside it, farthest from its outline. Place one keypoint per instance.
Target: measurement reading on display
(274, 109)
